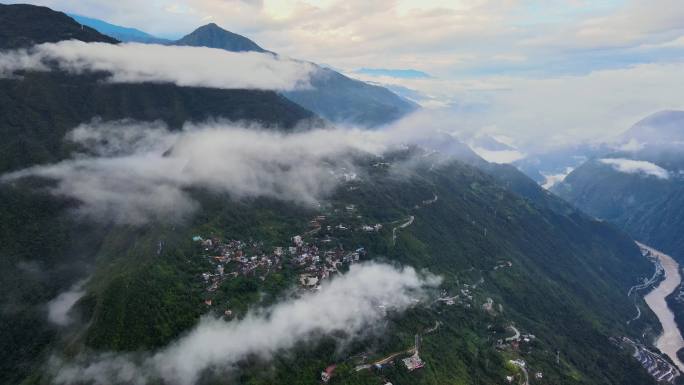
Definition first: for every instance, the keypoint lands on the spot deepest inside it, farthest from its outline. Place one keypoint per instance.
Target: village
(317, 254)
(657, 366)
(315, 259)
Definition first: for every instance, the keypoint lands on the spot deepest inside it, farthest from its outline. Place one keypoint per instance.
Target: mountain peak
(213, 36)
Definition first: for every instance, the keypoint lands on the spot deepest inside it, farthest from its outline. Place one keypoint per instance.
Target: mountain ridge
(334, 96)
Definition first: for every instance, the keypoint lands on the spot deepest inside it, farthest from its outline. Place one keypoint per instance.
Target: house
(207, 302)
(308, 281)
(327, 374)
(509, 379)
(297, 240)
(414, 362)
(538, 375)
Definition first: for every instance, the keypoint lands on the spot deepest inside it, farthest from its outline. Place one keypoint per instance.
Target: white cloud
(553, 179)
(136, 172)
(630, 166)
(499, 156)
(632, 145)
(349, 304)
(59, 307)
(184, 66)
(540, 113)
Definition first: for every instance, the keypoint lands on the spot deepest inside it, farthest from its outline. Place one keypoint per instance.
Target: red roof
(330, 369)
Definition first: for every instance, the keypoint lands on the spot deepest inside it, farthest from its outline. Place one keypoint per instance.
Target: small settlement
(314, 261)
(657, 366)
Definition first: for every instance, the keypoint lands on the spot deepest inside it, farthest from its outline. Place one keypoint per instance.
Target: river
(670, 341)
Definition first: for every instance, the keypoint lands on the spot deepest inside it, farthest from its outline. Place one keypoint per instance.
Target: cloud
(499, 156)
(59, 307)
(553, 179)
(183, 66)
(629, 166)
(349, 304)
(135, 172)
(542, 113)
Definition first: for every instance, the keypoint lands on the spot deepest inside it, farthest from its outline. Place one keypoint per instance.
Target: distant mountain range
(640, 184)
(333, 96)
(119, 33)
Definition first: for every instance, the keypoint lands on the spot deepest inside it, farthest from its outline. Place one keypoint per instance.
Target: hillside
(21, 26)
(35, 112)
(565, 283)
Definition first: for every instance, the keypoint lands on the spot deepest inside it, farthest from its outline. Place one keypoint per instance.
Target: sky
(572, 70)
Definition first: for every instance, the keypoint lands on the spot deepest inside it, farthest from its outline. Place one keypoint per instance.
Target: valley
(204, 211)
(670, 341)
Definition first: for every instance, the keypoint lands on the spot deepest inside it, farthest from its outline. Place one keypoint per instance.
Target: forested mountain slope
(511, 257)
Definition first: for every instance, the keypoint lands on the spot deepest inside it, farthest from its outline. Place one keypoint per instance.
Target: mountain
(36, 112)
(21, 26)
(124, 34)
(341, 99)
(638, 186)
(511, 257)
(213, 36)
(660, 127)
(333, 96)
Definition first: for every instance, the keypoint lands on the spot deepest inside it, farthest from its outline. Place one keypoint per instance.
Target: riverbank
(670, 341)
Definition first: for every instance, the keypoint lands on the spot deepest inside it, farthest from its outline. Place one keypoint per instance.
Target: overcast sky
(571, 69)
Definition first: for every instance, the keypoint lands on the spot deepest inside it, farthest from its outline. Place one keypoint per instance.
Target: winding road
(401, 226)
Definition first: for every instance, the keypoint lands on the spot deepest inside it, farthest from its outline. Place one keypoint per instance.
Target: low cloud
(551, 180)
(135, 172)
(350, 304)
(60, 306)
(183, 66)
(499, 156)
(630, 166)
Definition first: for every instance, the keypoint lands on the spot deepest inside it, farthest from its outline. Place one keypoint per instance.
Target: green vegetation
(566, 283)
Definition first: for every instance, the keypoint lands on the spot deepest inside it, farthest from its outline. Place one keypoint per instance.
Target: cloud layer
(629, 166)
(184, 66)
(134, 172)
(349, 304)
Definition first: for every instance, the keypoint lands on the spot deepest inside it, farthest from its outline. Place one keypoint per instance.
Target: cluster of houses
(234, 257)
(315, 262)
(658, 367)
(317, 265)
(464, 298)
